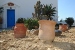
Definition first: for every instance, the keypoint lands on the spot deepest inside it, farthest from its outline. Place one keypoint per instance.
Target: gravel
(66, 41)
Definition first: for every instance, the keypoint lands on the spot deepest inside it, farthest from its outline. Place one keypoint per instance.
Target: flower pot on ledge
(20, 29)
(46, 30)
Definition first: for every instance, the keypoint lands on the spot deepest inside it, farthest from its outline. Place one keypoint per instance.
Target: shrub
(69, 21)
(20, 20)
(31, 23)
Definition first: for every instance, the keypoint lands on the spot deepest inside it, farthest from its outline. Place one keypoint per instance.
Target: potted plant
(20, 29)
(1, 19)
(31, 23)
(46, 27)
(1, 11)
(28, 23)
(63, 27)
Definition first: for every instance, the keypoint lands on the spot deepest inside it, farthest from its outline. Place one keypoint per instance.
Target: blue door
(10, 18)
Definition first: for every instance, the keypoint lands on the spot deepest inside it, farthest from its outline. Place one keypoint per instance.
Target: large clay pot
(20, 30)
(63, 27)
(46, 30)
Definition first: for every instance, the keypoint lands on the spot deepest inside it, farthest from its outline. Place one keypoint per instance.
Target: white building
(21, 8)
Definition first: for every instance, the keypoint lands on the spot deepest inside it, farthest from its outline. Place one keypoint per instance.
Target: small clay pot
(63, 27)
(20, 30)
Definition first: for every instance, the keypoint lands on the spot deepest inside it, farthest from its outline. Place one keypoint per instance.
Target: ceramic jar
(20, 30)
(46, 30)
(63, 27)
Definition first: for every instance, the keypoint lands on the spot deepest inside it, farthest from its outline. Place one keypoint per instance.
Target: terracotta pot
(1, 20)
(20, 30)
(46, 30)
(63, 27)
(10, 4)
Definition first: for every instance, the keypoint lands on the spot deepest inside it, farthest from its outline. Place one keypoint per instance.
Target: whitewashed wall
(25, 8)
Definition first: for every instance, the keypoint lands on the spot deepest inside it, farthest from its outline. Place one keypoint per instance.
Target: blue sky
(66, 8)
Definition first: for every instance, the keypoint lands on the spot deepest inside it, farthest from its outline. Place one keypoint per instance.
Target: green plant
(1, 19)
(31, 23)
(49, 11)
(41, 9)
(1, 10)
(69, 21)
(20, 20)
